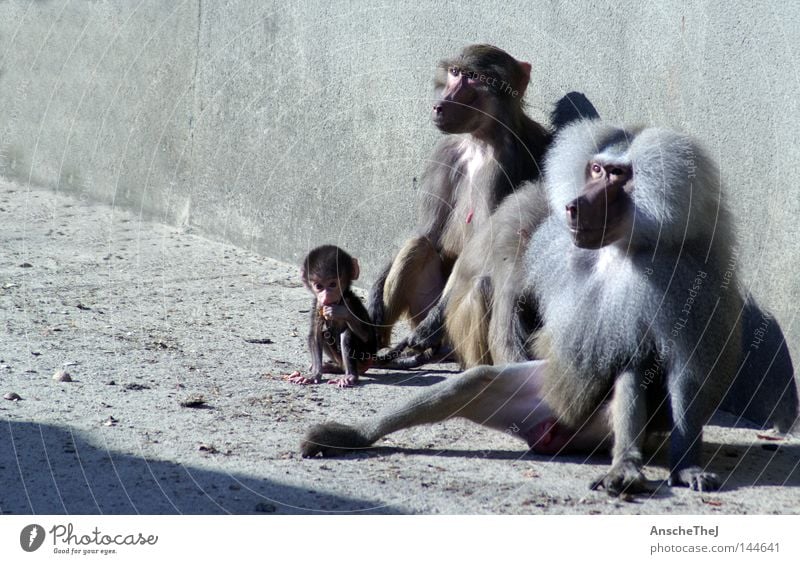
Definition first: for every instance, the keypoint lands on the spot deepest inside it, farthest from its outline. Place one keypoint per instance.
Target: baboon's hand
(336, 312)
(625, 477)
(344, 382)
(389, 354)
(694, 477)
(297, 378)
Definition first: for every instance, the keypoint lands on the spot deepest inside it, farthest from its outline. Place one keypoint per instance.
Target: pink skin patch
(548, 437)
(469, 216)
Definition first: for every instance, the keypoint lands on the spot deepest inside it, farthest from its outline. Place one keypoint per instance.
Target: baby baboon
(339, 322)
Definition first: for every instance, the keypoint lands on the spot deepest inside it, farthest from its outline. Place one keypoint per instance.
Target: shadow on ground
(739, 466)
(53, 470)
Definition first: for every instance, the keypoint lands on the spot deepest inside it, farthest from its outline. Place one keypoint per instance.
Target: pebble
(12, 396)
(62, 376)
(195, 400)
(111, 421)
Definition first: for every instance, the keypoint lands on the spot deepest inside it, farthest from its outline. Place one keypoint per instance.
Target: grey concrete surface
(145, 316)
(277, 126)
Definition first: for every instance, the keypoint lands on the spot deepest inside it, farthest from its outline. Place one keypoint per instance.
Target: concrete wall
(278, 125)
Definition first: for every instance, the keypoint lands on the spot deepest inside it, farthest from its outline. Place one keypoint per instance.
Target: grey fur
(649, 319)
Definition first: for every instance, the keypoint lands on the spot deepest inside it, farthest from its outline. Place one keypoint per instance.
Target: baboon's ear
(356, 269)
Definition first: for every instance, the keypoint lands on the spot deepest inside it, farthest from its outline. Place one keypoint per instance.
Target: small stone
(111, 421)
(62, 376)
(12, 396)
(259, 341)
(194, 401)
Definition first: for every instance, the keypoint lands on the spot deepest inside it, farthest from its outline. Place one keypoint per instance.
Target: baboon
(339, 323)
(487, 312)
(490, 148)
(639, 306)
(638, 293)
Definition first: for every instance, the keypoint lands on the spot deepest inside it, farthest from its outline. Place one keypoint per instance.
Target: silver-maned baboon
(638, 293)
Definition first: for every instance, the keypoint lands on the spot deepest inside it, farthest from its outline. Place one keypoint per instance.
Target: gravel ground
(146, 318)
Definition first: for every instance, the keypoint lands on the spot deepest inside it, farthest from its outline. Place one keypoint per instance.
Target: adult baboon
(486, 312)
(491, 147)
